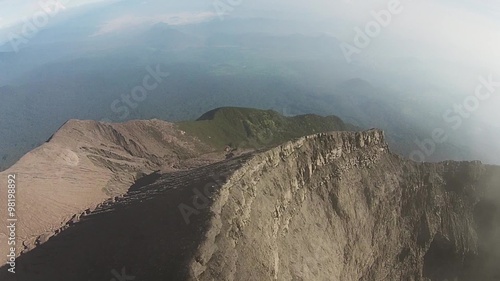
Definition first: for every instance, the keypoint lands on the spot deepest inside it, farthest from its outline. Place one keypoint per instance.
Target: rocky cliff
(341, 207)
(331, 206)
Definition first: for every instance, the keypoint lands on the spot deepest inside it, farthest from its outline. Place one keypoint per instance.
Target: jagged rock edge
(339, 144)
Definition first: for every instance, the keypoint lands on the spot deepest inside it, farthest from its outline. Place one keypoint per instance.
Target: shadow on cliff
(142, 236)
(443, 261)
(485, 266)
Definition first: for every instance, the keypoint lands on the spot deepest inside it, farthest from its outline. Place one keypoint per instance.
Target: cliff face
(340, 207)
(332, 206)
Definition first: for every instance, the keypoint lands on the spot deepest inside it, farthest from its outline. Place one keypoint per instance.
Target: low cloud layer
(129, 21)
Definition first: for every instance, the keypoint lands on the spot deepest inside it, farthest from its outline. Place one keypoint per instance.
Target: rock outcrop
(331, 206)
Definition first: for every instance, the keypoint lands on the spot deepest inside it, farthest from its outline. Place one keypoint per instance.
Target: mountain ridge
(85, 163)
(329, 206)
(247, 127)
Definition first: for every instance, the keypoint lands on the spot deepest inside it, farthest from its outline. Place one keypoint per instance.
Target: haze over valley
(87, 59)
(249, 140)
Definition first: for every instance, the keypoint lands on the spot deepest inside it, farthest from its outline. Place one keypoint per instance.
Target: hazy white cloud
(14, 12)
(130, 21)
(451, 31)
(455, 30)
(463, 30)
(459, 31)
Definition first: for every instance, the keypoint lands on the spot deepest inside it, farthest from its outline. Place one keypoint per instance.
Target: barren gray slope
(82, 165)
(143, 233)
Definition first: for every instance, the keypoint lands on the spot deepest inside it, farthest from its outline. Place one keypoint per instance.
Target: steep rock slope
(82, 165)
(332, 206)
(340, 207)
(143, 233)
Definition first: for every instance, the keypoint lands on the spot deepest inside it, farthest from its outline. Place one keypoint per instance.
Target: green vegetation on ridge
(254, 128)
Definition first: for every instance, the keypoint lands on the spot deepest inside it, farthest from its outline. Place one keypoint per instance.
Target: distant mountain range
(216, 64)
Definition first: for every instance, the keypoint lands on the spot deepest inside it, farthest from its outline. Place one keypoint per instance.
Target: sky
(460, 31)
(13, 12)
(465, 32)
(447, 32)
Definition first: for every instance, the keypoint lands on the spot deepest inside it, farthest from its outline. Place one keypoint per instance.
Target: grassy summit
(245, 127)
